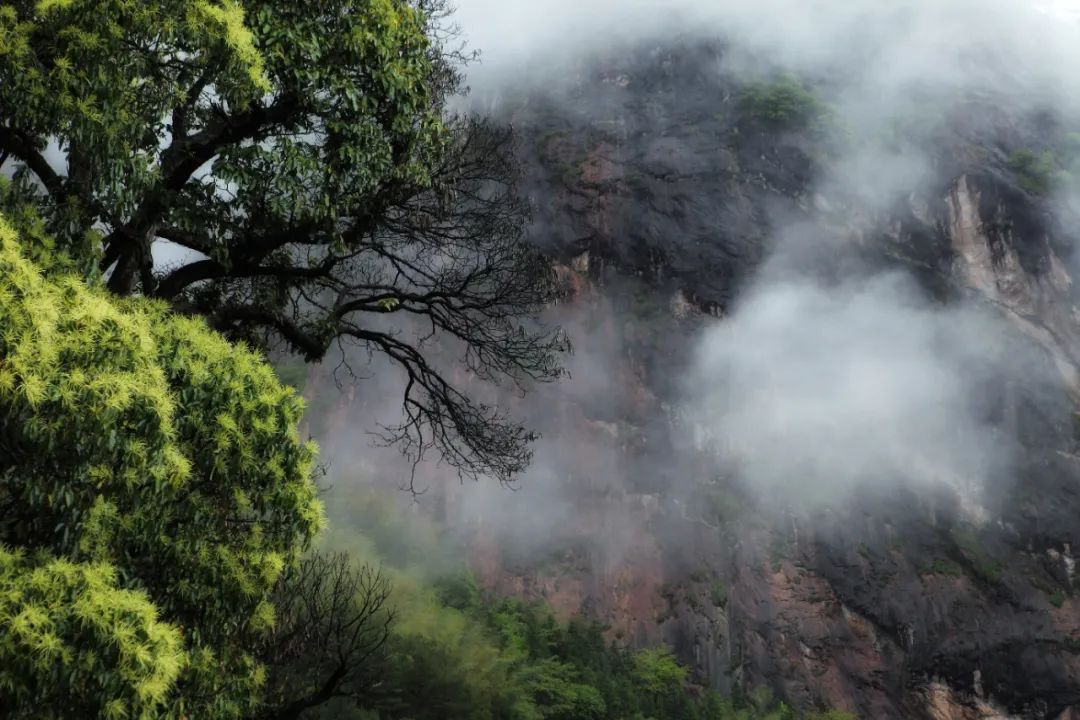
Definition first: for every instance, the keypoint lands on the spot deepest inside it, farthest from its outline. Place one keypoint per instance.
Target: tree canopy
(152, 490)
(290, 172)
(450, 650)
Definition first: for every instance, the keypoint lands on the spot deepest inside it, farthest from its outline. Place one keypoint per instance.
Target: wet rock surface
(659, 196)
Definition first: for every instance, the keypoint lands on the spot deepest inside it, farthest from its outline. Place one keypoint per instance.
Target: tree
(152, 490)
(300, 160)
(658, 672)
(77, 645)
(333, 623)
(558, 694)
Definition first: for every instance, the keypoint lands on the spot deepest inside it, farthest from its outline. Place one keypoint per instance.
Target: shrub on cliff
(784, 104)
(1040, 173)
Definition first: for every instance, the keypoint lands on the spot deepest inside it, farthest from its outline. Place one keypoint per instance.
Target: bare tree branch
(451, 257)
(333, 621)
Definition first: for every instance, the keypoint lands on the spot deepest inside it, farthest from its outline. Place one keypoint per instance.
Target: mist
(811, 392)
(956, 44)
(580, 454)
(806, 383)
(808, 388)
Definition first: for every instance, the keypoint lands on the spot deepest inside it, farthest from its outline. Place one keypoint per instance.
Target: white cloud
(812, 392)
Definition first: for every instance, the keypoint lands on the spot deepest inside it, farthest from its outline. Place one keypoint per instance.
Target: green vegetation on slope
(1048, 171)
(1038, 173)
(785, 104)
(455, 652)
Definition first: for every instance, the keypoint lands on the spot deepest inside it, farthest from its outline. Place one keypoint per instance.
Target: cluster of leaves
(112, 79)
(302, 156)
(1040, 173)
(970, 547)
(152, 487)
(78, 644)
(1054, 169)
(95, 76)
(784, 105)
(944, 566)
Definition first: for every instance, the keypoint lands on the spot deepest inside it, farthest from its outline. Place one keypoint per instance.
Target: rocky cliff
(661, 187)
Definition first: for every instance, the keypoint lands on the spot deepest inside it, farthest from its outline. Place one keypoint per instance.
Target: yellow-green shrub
(135, 439)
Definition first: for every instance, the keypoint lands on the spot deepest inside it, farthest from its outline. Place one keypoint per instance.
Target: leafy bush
(784, 104)
(982, 565)
(944, 566)
(1038, 173)
(719, 594)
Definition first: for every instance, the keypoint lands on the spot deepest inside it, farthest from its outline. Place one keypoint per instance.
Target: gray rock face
(649, 181)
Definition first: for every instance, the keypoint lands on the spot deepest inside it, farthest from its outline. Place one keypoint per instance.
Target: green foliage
(571, 668)
(1056, 598)
(23, 212)
(139, 440)
(778, 550)
(457, 652)
(557, 694)
(304, 158)
(1038, 173)
(944, 566)
(658, 672)
(719, 594)
(292, 371)
(966, 557)
(721, 505)
(784, 105)
(312, 108)
(100, 77)
(982, 565)
(75, 643)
